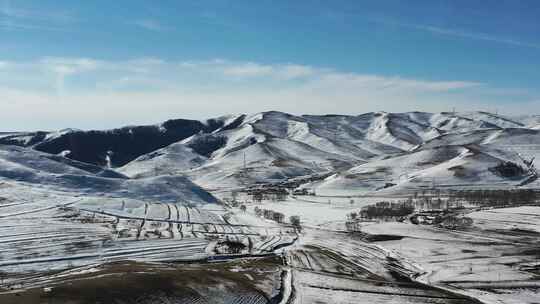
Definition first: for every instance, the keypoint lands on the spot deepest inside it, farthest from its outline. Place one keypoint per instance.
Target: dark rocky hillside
(115, 147)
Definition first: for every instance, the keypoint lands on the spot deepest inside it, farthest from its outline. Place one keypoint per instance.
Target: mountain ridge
(243, 149)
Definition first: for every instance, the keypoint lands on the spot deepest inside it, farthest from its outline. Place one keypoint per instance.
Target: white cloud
(249, 70)
(381, 83)
(92, 93)
(69, 66)
(150, 24)
(295, 70)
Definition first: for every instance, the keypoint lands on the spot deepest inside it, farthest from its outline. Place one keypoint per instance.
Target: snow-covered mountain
(52, 173)
(452, 166)
(114, 147)
(273, 146)
(370, 151)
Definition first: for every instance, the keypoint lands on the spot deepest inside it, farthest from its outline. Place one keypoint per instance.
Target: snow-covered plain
(494, 261)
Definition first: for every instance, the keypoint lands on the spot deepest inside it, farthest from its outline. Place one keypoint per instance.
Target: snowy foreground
(57, 246)
(48, 238)
(495, 261)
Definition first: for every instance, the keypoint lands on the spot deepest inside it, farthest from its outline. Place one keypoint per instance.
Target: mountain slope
(177, 157)
(467, 159)
(115, 147)
(54, 173)
(441, 167)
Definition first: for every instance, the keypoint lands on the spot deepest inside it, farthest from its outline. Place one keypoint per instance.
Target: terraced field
(330, 274)
(46, 233)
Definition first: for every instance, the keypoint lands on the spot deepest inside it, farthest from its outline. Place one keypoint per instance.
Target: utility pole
(244, 162)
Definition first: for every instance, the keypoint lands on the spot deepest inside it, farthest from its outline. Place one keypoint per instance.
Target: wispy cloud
(318, 76)
(17, 26)
(251, 69)
(68, 66)
(17, 18)
(150, 24)
(457, 33)
(223, 73)
(475, 36)
(65, 91)
(393, 83)
(35, 14)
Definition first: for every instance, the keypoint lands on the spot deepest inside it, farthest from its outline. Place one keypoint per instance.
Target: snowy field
(319, 211)
(43, 232)
(496, 260)
(523, 218)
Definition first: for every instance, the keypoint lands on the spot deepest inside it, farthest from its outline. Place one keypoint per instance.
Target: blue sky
(100, 64)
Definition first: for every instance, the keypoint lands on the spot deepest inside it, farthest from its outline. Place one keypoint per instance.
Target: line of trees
(270, 214)
(497, 198)
(278, 195)
(387, 209)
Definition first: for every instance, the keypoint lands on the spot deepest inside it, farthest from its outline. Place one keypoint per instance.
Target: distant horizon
(503, 115)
